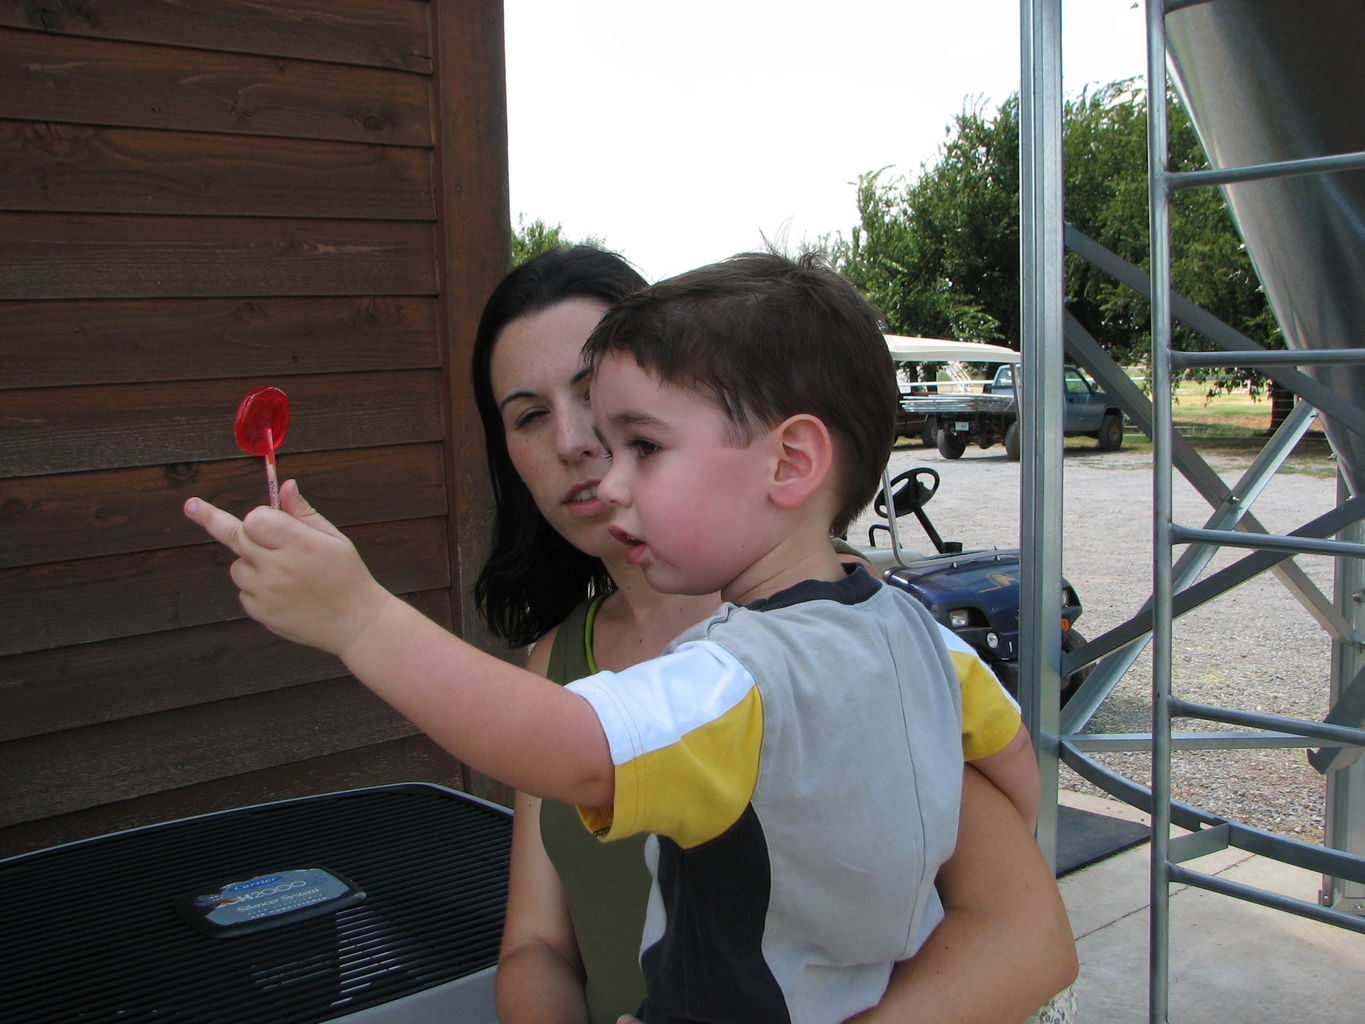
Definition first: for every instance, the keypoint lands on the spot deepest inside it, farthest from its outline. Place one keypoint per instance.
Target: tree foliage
(537, 237)
(939, 255)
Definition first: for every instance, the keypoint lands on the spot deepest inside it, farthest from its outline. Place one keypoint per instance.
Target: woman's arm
(1004, 947)
(540, 977)
(540, 974)
(1014, 771)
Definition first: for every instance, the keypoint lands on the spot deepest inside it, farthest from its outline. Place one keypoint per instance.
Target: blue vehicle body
(973, 593)
(982, 586)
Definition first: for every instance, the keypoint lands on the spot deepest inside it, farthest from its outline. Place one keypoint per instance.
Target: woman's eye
(644, 449)
(525, 419)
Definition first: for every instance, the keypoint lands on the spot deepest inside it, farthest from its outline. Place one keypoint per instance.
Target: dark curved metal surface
(1266, 81)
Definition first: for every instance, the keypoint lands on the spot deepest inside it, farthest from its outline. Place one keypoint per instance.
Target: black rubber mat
(1084, 837)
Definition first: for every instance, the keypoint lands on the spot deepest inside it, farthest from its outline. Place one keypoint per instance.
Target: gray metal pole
(1040, 410)
(1345, 824)
(1162, 428)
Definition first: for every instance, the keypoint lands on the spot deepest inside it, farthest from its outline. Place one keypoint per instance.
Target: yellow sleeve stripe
(693, 790)
(990, 717)
(685, 733)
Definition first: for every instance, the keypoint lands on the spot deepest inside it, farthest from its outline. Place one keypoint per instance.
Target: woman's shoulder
(538, 660)
(560, 655)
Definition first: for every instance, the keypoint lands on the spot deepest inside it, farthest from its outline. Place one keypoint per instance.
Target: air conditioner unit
(374, 905)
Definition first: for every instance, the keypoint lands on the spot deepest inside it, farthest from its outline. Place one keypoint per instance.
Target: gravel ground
(1255, 648)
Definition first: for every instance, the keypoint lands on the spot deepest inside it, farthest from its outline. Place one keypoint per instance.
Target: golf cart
(973, 593)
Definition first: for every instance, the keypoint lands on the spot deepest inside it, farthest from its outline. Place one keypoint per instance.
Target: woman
(555, 577)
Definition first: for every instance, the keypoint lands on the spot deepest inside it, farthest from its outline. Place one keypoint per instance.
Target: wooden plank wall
(198, 197)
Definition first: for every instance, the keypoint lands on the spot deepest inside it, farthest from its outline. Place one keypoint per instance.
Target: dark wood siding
(198, 198)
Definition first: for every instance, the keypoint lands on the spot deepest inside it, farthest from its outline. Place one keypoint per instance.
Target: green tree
(939, 254)
(1105, 154)
(537, 237)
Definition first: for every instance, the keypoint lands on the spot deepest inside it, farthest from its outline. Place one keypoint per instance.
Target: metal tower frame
(1177, 587)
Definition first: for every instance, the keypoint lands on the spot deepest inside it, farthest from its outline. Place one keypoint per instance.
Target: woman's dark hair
(533, 577)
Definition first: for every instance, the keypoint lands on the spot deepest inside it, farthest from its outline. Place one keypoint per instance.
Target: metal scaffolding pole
(1041, 394)
(1159, 226)
(1306, 247)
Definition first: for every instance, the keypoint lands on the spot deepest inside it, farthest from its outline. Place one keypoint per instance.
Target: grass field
(1231, 417)
(1235, 422)
(1234, 415)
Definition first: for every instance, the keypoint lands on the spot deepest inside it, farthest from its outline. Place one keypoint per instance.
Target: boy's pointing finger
(221, 526)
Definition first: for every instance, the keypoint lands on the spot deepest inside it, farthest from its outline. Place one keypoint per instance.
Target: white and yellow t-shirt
(798, 764)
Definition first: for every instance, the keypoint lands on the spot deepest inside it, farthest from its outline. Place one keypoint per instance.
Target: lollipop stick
(272, 481)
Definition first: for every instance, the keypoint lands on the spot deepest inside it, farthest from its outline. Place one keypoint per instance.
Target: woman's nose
(577, 440)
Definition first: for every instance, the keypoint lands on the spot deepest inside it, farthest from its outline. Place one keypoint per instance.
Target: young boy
(797, 757)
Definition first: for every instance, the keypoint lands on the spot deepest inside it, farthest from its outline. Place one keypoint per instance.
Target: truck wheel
(929, 432)
(951, 444)
(1012, 441)
(1110, 435)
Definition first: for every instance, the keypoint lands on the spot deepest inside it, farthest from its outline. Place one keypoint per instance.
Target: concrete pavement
(1230, 960)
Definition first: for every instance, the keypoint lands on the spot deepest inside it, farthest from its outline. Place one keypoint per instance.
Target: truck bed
(938, 405)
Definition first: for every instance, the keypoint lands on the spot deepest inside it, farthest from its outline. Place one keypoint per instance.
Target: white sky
(681, 132)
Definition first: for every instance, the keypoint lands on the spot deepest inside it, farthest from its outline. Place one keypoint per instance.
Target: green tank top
(607, 884)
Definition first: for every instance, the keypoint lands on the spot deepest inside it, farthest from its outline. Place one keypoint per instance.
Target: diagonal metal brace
(1226, 337)
(1325, 525)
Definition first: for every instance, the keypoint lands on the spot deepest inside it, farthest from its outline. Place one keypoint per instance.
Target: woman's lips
(583, 501)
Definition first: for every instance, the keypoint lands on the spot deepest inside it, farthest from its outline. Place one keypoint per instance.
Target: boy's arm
(994, 740)
(301, 578)
(1014, 771)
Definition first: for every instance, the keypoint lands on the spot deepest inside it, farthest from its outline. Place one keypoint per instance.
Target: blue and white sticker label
(262, 899)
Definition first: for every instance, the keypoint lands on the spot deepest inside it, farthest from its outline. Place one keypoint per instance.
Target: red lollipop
(262, 422)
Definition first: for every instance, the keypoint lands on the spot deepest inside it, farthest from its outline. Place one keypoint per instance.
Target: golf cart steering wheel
(910, 490)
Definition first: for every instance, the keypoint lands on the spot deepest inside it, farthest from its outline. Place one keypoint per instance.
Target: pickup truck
(992, 415)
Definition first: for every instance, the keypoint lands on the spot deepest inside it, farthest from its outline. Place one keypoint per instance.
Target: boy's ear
(804, 455)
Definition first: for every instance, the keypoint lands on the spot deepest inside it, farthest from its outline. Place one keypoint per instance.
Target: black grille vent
(89, 931)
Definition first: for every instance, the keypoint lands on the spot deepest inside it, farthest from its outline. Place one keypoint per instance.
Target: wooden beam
(93, 256)
(473, 254)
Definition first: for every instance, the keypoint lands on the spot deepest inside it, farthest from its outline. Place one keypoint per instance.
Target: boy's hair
(767, 337)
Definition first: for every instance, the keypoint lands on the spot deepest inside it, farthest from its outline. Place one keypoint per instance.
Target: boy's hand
(299, 576)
